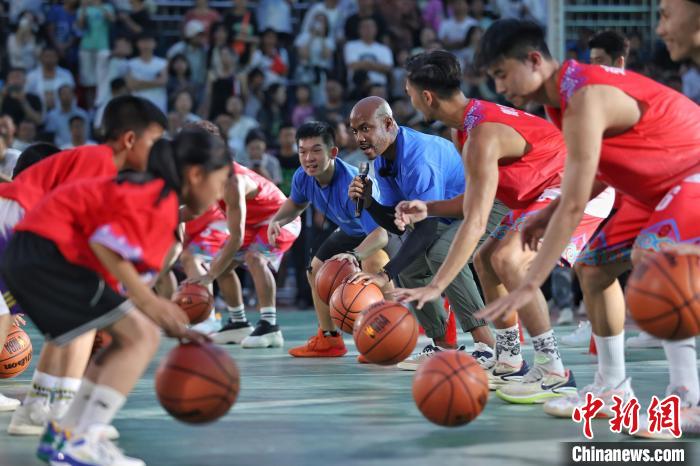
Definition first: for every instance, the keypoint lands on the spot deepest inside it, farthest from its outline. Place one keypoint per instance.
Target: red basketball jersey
(657, 152)
(43, 177)
(267, 201)
(128, 218)
(521, 180)
(199, 224)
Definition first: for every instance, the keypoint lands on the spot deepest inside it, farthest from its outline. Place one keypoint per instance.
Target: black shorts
(339, 242)
(64, 300)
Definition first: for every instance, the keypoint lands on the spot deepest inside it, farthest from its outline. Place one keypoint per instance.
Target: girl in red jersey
(88, 245)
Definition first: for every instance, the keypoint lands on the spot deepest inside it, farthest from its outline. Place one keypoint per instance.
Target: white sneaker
(8, 404)
(211, 324)
(566, 316)
(538, 386)
(265, 335)
(93, 449)
(412, 363)
(564, 407)
(689, 423)
(643, 340)
(232, 333)
(29, 419)
(579, 337)
(503, 374)
(58, 409)
(484, 355)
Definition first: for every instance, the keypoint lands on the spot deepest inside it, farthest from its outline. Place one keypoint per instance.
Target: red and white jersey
(657, 152)
(521, 180)
(46, 175)
(128, 218)
(267, 201)
(259, 210)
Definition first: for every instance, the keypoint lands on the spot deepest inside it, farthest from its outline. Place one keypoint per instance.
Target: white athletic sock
(683, 371)
(237, 314)
(611, 358)
(101, 408)
(65, 390)
(508, 346)
(269, 314)
(42, 387)
(70, 420)
(547, 353)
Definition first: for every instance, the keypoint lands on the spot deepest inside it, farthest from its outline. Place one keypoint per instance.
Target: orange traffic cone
(591, 347)
(451, 332)
(522, 334)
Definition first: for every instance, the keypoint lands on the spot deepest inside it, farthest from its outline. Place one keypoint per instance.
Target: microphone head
(364, 168)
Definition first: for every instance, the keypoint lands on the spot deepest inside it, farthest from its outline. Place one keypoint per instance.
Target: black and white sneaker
(265, 335)
(232, 333)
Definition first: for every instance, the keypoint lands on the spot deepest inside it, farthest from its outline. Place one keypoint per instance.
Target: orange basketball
(663, 295)
(195, 300)
(349, 300)
(102, 340)
(451, 388)
(386, 333)
(197, 383)
(331, 275)
(16, 353)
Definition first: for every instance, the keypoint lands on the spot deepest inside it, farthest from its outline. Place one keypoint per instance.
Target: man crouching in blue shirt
(413, 165)
(322, 181)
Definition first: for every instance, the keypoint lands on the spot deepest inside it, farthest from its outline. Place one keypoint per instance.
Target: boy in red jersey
(606, 114)
(518, 158)
(132, 125)
(91, 262)
(250, 201)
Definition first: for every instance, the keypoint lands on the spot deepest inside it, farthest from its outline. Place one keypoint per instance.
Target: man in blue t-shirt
(322, 181)
(412, 165)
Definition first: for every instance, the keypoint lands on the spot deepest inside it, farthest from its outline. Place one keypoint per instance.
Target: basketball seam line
(189, 371)
(384, 336)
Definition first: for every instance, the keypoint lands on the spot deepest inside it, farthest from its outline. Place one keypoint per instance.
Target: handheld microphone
(360, 203)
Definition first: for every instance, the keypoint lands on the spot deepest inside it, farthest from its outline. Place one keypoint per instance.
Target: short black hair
(510, 38)
(117, 83)
(615, 44)
(313, 129)
(76, 117)
(436, 71)
(33, 154)
(255, 134)
(130, 113)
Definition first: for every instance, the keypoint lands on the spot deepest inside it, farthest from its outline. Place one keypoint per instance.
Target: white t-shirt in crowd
(238, 133)
(357, 50)
(148, 71)
(7, 166)
(452, 30)
(39, 85)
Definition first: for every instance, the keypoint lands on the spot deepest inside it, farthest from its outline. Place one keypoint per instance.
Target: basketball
(386, 333)
(195, 300)
(197, 383)
(16, 354)
(349, 300)
(102, 340)
(663, 295)
(331, 275)
(450, 389)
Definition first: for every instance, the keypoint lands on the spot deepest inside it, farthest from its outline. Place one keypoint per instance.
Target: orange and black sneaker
(321, 346)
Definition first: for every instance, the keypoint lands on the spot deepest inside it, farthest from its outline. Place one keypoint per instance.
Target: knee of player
(311, 271)
(504, 262)
(374, 263)
(593, 277)
(139, 331)
(254, 259)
